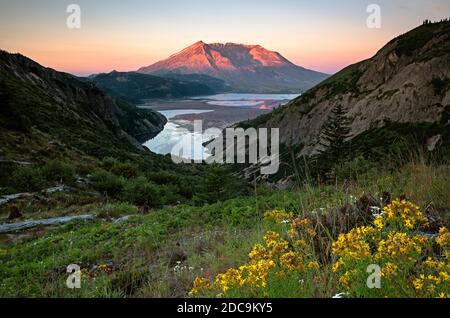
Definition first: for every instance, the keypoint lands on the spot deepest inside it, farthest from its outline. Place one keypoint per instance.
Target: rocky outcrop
(407, 81)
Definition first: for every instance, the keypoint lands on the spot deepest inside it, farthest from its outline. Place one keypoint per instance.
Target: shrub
(140, 191)
(168, 194)
(352, 169)
(163, 177)
(58, 171)
(108, 163)
(28, 178)
(125, 169)
(220, 185)
(117, 209)
(84, 168)
(107, 183)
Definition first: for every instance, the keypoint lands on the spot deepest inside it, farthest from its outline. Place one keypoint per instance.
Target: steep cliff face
(407, 81)
(247, 68)
(42, 107)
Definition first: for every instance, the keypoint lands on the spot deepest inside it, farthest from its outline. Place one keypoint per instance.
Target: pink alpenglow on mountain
(247, 68)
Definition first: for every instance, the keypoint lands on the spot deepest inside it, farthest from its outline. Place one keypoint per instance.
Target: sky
(324, 35)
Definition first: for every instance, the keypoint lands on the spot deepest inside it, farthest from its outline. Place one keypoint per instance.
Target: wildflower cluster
(104, 268)
(252, 275)
(353, 245)
(279, 216)
(434, 277)
(276, 257)
(180, 268)
(399, 252)
(433, 280)
(302, 233)
(96, 270)
(403, 214)
(200, 284)
(411, 262)
(443, 241)
(399, 245)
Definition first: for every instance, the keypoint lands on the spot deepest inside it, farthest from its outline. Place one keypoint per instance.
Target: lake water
(245, 100)
(173, 134)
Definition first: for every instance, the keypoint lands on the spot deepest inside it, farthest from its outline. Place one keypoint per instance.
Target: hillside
(79, 195)
(135, 87)
(46, 113)
(197, 251)
(247, 68)
(406, 83)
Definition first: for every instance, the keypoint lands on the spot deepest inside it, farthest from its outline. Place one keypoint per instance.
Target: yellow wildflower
(409, 224)
(431, 263)
(271, 238)
(344, 280)
(389, 270)
(301, 222)
(85, 273)
(405, 213)
(443, 240)
(337, 266)
(229, 279)
(378, 222)
(311, 232)
(399, 244)
(258, 252)
(293, 233)
(292, 261)
(104, 268)
(352, 245)
(278, 216)
(279, 248)
(418, 283)
(313, 265)
(200, 284)
(255, 274)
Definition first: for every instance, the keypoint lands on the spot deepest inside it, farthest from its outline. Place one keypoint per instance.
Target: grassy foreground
(317, 241)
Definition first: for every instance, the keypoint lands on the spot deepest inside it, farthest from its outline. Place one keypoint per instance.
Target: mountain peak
(244, 67)
(198, 43)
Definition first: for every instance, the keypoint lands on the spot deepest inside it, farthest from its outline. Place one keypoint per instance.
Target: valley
(86, 176)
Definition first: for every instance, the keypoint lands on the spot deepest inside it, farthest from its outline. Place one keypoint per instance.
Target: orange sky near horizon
(81, 61)
(86, 55)
(325, 35)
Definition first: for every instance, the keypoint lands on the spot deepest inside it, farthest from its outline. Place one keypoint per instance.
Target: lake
(175, 133)
(245, 100)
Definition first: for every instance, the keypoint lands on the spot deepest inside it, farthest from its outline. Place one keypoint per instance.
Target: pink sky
(322, 35)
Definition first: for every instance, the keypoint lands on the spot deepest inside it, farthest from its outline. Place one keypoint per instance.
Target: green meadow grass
(159, 254)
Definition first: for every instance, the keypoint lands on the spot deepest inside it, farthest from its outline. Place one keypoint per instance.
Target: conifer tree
(334, 135)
